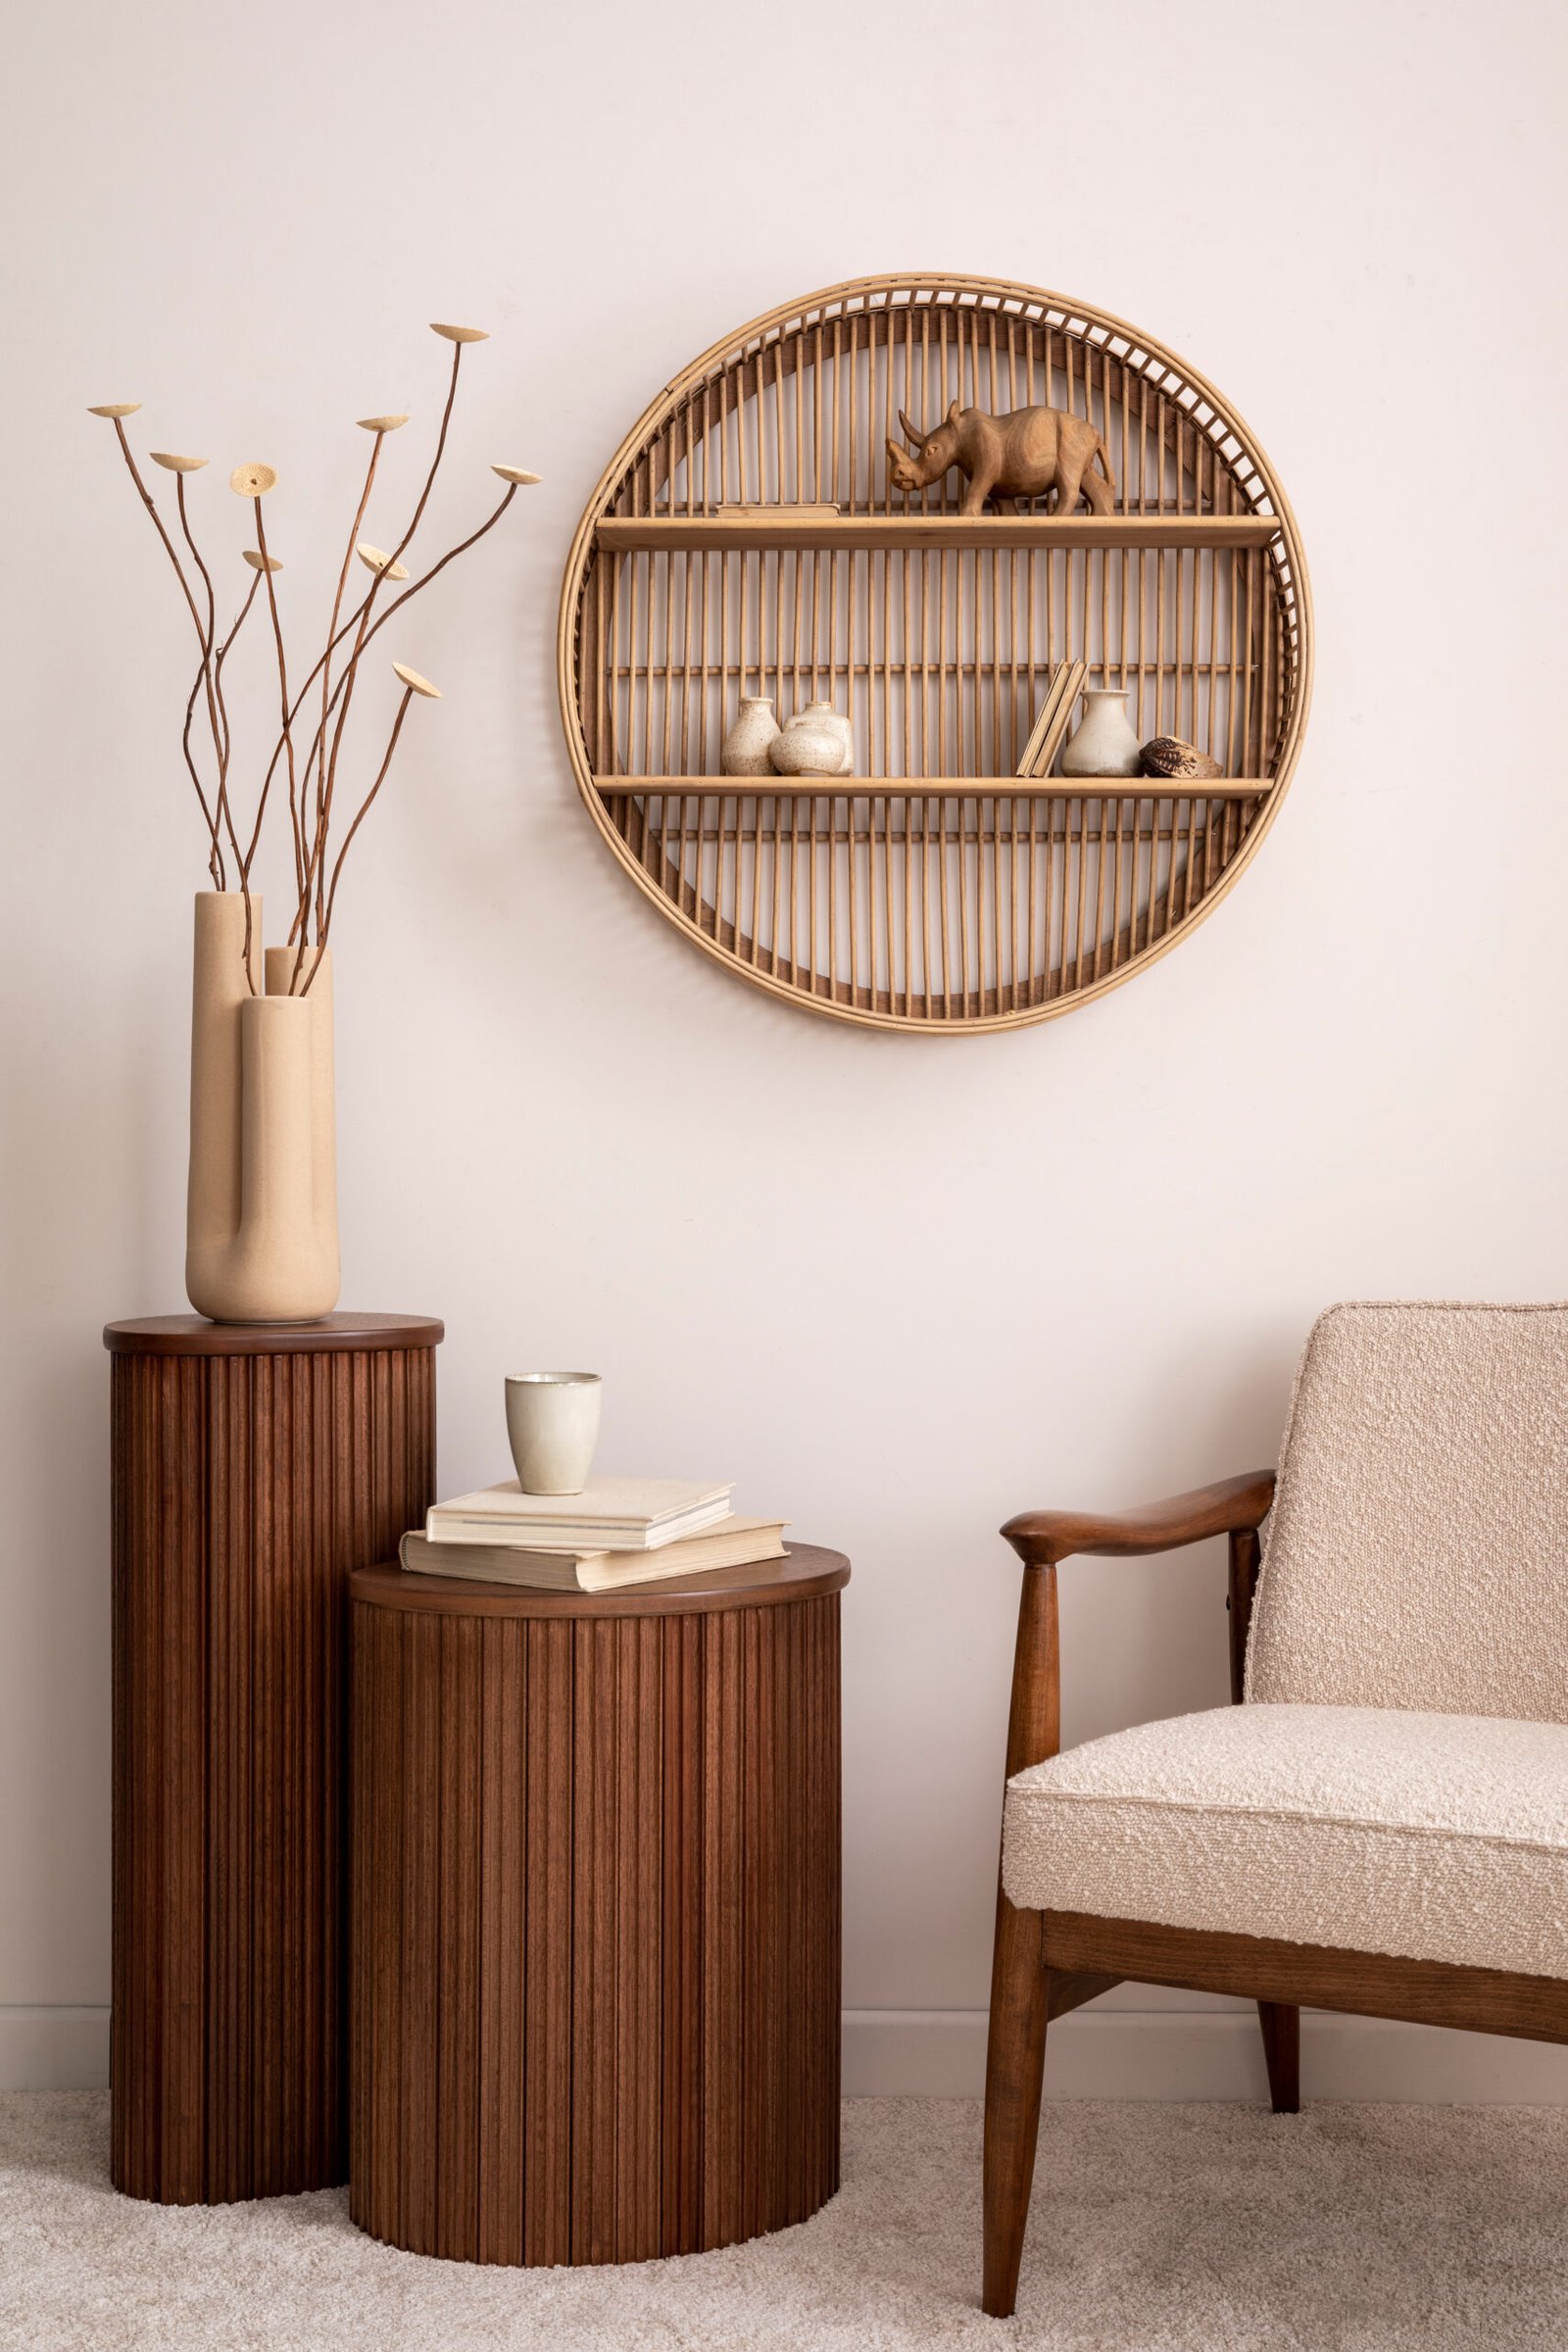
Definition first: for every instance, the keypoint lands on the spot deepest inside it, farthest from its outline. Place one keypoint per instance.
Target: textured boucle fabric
(1417, 1552)
(1429, 1837)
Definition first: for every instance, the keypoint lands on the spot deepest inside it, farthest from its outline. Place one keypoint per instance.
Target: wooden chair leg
(1016, 2058)
(1282, 2055)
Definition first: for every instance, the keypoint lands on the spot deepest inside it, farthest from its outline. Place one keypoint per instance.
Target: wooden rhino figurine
(1023, 454)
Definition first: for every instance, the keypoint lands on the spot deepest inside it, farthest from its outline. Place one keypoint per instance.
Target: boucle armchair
(1381, 1824)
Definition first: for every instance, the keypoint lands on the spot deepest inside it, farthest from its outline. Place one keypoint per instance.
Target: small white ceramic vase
(823, 715)
(1102, 743)
(553, 1424)
(746, 746)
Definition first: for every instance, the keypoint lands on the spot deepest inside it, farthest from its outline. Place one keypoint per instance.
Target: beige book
(611, 1514)
(733, 1544)
(1056, 714)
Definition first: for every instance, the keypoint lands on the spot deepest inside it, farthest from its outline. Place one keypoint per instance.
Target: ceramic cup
(553, 1423)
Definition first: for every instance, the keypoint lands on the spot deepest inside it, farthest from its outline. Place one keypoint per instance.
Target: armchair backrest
(1417, 1551)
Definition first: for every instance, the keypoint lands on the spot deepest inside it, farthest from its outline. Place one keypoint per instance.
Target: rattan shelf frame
(936, 891)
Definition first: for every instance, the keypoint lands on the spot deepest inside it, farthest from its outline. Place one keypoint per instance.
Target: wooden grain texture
(707, 568)
(339, 1334)
(1423, 1993)
(778, 527)
(248, 1482)
(597, 1957)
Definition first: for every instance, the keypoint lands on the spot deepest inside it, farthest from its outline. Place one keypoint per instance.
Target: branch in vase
(380, 426)
(253, 481)
(117, 412)
(413, 684)
(458, 336)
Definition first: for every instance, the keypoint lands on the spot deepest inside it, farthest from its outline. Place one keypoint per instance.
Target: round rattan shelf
(745, 540)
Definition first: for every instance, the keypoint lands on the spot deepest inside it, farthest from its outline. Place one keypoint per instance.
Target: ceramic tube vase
(260, 1241)
(1102, 743)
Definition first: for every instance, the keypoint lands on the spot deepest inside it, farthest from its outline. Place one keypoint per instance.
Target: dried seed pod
(117, 408)
(415, 684)
(460, 334)
(380, 424)
(376, 558)
(252, 480)
(1170, 756)
(259, 562)
(173, 464)
(514, 473)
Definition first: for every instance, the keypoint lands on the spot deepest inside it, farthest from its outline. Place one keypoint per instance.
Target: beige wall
(898, 1288)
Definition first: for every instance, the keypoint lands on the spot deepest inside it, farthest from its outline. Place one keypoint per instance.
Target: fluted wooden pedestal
(253, 1468)
(596, 1913)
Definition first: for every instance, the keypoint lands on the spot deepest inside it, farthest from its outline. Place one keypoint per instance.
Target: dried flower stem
(266, 573)
(363, 813)
(201, 638)
(317, 858)
(331, 639)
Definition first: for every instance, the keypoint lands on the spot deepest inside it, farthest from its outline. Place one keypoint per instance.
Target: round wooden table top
(194, 1334)
(805, 1573)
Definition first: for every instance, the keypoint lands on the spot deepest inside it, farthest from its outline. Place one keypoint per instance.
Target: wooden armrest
(1041, 1538)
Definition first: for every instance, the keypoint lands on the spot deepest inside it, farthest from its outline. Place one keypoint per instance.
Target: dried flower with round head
(460, 334)
(117, 408)
(376, 558)
(380, 424)
(414, 684)
(252, 480)
(514, 475)
(173, 464)
(259, 562)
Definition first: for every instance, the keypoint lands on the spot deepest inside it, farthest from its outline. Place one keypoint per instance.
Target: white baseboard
(53, 2049)
(1200, 2054)
(1111, 2053)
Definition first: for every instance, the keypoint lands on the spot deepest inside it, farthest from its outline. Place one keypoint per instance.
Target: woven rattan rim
(651, 455)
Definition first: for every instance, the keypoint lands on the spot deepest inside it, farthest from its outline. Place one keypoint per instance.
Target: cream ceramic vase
(823, 715)
(261, 1223)
(1102, 743)
(816, 742)
(745, 749)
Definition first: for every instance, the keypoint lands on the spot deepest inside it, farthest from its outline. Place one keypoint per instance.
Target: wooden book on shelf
(1050, 727)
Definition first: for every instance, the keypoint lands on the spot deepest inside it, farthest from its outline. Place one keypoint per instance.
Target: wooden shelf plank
(619, 532)
(951, 788)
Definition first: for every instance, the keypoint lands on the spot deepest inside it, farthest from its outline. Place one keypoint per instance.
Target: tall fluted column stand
(254, 1470)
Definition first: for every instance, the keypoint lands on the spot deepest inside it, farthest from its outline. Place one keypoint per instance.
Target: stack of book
(1046, 739)
(618, 1531)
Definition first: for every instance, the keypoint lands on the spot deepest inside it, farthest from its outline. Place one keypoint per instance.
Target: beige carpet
(1156, 2229)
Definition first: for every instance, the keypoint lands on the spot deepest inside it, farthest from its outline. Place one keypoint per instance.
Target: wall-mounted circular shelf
(745, 539)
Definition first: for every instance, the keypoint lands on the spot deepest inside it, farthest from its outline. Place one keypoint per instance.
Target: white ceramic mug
(553, 1423)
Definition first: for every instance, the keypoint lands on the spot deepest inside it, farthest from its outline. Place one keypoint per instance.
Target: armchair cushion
(1417, 1551)
(1426, 1836)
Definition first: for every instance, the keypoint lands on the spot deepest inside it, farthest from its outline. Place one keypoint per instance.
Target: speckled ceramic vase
(746, 748)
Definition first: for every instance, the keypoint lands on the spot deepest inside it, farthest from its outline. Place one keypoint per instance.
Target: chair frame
(1047, 1963)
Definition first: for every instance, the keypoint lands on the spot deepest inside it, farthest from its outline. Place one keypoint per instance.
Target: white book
(611, 1514)
(732, 1543)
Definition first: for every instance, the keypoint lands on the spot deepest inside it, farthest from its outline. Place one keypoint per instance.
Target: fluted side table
(253, 1468)
(595, 1912)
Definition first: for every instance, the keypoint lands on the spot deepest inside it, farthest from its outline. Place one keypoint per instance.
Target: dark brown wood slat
(550, 1955)
(1428, 1992)
(502, 1980)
